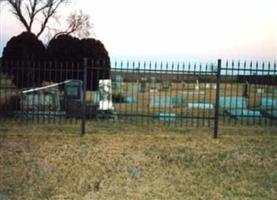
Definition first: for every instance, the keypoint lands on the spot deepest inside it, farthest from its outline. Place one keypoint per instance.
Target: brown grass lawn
(53, 162)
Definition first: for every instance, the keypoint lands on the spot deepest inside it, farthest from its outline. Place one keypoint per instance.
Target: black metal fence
(181, 94)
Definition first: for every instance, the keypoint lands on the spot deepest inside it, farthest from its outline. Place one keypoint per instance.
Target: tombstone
(268, 103)
(96, 98)
(214, 86)
(183, 84)
(178, 101)
(245, 89)
(133, 88)
(118, 84)
(197, 85)
(166, 85)
(143, 81)
(168, 117)
(160, 101)
(41, 99)
(244, 113)
(73, 89)
(232, 102)
(208, 85)
(73, 96)
(260, 90)
(105, 92)
(166, 101)
(193, 92)
(130, 99)
(153, 84)
(206, 106)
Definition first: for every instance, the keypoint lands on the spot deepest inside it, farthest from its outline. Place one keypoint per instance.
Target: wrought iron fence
(181, 94)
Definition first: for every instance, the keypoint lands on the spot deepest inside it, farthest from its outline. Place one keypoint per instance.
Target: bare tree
(78, 24)
(29, 11)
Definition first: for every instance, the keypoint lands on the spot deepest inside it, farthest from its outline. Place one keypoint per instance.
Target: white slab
(201, 105)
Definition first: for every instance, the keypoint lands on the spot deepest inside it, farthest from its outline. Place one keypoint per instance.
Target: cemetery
(168, 121)
(146, 96)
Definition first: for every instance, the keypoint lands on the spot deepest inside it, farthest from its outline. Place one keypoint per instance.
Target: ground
(130, 162)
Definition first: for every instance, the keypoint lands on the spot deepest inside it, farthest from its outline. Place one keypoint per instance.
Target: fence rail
(139, 92)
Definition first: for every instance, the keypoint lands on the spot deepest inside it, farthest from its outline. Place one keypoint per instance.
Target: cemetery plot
(205, 106)
(166, 101)
(268, 103)
(236, 107)
(168, 117)
(268, 106)
(118, 85)
(232, 102)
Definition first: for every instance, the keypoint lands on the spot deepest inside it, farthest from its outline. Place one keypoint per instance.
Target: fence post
(83, 123)
(216, 114)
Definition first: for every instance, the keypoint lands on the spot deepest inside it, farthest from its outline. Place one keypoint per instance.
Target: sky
(176, 29)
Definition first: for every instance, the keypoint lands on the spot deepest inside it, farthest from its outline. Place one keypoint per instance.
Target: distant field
(130, 162)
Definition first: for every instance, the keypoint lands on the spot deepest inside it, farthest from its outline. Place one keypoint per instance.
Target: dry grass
(53, 162)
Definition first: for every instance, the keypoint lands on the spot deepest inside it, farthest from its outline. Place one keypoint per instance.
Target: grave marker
(143, 81)
(268, 103)
(166, 101)
(118, 84)
(166, 85)
(232, 102)
(197, 85)
(153, 84)
(105, 92)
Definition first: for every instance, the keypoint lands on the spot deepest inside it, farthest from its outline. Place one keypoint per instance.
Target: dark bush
(70, 53)
(25, 46)
(19, 59)
(29, 64)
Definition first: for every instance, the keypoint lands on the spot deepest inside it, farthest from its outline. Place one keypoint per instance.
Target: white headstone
(208, 86)
(197, 85)
(105, 91)
(260, 90)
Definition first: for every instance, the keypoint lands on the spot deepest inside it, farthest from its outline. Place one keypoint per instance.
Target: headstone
(166, 101)
(214, 86)
(96, 98)
(244, 113)
(245, 89)
(167, 116)
(130, 99)
(193, 92)
(197, 85)
(268, 103)
(260, 90)
(160, 101)
(208, 86)
(118, 84)
(45, 100)
(165, 85)
(178, 101)
(232, 102)
(153, 84)
(206, 106)
(105, 92)
(73, 89)
(133, 88)
(143, 81)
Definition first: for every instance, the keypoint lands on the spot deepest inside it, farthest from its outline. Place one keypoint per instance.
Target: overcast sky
(205, 29)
